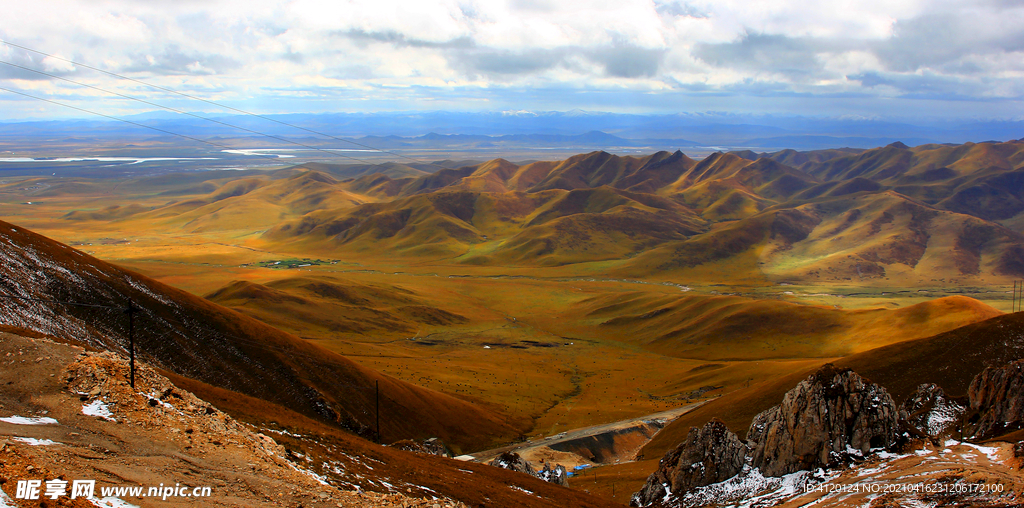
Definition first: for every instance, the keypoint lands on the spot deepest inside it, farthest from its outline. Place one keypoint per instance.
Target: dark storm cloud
(946, 56)
(619, 59)
(936, 40)
(493, 62)
(767, 53)
(626, 61)
(924, 86)
(399, 39)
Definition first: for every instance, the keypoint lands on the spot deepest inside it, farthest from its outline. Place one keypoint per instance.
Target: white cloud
(237, 49)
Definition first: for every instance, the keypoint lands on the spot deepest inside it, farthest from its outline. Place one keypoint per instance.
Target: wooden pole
(131, 340)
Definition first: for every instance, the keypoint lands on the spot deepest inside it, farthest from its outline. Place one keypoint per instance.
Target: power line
(256, 115)
(129, 97)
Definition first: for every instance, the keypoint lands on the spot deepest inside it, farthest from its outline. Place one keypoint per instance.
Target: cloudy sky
(908, 59)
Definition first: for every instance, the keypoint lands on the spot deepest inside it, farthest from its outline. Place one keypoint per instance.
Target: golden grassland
(617, 482)
(551, 346)
(565, 348)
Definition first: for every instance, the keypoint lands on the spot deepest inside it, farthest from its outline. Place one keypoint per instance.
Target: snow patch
(751, 489)
(156, 397)
(99, 409)
(283, 433)
(321, 479)
(24, 420)
(111, 502)
(5, 501)
(145, 289)
(34, 442)
(991, 451)
(884, 455)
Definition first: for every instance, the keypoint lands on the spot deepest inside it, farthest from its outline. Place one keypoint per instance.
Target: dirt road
(660, 419)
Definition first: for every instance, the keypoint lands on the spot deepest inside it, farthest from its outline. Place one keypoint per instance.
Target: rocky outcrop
(513, 462)
(708, 455)
(997, 394)
(830, 415)
(430, 446)
(557, 475)
(930, 412)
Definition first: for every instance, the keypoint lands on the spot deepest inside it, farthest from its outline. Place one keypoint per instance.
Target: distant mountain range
(532, 129)
(929, 215)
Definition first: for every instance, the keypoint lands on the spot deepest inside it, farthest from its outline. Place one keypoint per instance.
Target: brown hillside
(588, 170)
(254, 202)
(979, 179)
(950, 359)
(797, 159)
(197, 338)
(889, 236)
(734, 328)
(265, 462)
(893, 216)
(333, 306)
(876, 164)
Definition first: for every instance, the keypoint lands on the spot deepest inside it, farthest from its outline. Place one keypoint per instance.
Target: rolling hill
(549, 227)
(198, 339)
(334, 305)
(909, 216)
(894, 215)
(253, 202)
(950, 359)
(727, 328)
(576, 237)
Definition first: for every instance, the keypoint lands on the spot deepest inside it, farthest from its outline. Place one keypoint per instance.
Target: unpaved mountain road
(662, 418)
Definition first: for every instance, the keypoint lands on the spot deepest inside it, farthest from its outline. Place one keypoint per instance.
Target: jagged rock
(931, 412)
(431, 446)
(997, 394)
(708, 455)
(1018, 449)
(557, 475)
(512, 461)
(832, 414)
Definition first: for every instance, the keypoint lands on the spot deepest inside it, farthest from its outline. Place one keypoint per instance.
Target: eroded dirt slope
(90, 424)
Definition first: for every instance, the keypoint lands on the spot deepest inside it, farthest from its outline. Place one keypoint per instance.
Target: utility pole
(131, 310)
